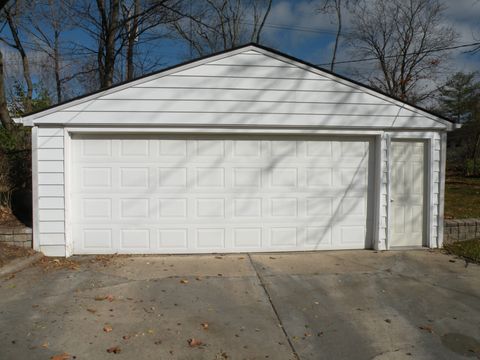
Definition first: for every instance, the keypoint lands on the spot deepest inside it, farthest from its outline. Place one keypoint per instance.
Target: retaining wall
(16, 235)
(460, 230)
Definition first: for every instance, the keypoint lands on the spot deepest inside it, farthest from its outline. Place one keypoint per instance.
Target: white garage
(247, 150)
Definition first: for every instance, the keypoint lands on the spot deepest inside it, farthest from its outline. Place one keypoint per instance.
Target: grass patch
(462, 198)
(469, 249)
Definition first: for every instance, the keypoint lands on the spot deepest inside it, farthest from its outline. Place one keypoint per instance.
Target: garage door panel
(151, 194)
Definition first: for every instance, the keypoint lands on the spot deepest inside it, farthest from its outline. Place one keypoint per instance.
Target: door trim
(426, 139)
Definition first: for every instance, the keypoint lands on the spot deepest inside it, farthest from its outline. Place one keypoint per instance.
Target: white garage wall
(248, 88)
(49, 190)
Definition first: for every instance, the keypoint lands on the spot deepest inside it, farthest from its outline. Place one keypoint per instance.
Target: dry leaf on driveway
(63, 356)
(107, 328)
(426, 328)
(104, 297)
(194, 342)
(204, 325)
(114, 349)
(184, 281)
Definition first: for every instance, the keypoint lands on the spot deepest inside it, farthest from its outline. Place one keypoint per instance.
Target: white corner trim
(35, 222)
(388, 204)
(441, 190)
(66, 183)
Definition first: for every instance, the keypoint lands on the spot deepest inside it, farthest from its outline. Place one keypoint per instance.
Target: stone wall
(16, 235)
(460, 230)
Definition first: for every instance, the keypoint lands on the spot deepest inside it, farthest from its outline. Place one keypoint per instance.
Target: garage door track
(319, 305)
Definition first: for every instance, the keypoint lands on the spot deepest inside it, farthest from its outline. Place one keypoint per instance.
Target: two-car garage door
(191, 194)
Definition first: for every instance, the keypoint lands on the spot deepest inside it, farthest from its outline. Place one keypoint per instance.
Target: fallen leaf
(273, 258)
(109, 298)
(45, 345)
(158, 342)
(194, 342)
(114, 349)
(93, 311)
(63, 356)
(426, 328)
(198, 278)
(184, 281)
(126, 337)
(388, 321)
(107, 328)
(218, 257)
(204, 326)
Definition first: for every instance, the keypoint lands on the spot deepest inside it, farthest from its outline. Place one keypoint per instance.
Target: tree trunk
(26, 66)
(5, 118)
(106, 46)
(338, 9)
(132, 36)
(110, 43)
(56, 54)
(475, 155)
(263, 21)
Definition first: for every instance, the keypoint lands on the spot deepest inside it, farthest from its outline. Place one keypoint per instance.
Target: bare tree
(131, 30)
(12, 14)
(215, 25)
(4, 115)
(116, 25)
(336, 7)
(144, 22)
(5, 118)
(46, 26)
(404, 37)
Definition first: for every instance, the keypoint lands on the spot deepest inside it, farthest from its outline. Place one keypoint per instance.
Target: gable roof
(74, 104)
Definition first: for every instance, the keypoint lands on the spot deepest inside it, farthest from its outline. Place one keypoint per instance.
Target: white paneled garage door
(190, 194)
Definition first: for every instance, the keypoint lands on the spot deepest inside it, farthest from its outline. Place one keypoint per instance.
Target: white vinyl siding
(50, 191)
(243, 89)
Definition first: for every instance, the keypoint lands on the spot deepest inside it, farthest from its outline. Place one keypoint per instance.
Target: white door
(191, 194)
(407, 193)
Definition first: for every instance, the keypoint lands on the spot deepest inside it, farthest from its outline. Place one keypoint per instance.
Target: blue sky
(298, 29)
(311, 35)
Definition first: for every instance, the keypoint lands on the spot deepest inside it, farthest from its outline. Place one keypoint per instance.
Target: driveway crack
(272, 305)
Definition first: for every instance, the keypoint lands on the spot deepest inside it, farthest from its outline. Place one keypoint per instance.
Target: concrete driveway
(323, 305)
